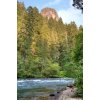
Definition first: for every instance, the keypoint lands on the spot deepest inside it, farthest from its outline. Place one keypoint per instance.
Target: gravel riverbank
(66, 95)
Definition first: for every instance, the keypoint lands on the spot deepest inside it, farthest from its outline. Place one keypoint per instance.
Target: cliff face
(50, 13)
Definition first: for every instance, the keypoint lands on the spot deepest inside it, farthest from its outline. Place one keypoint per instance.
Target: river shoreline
(66, 95)
(47, 89)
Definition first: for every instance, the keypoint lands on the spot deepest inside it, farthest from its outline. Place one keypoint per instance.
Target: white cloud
(71, 14)
(70, 2)
(54, 2)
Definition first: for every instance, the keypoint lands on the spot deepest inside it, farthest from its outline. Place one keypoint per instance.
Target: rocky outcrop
(49, 13)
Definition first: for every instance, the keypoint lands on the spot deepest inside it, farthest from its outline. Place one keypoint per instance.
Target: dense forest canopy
(47, 48)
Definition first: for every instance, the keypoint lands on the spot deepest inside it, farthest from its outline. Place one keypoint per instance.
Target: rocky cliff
(50, 13)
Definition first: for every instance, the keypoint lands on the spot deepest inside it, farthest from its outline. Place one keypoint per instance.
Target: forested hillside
(48, 48)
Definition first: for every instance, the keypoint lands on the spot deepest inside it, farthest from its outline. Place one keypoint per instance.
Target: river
(40, 89)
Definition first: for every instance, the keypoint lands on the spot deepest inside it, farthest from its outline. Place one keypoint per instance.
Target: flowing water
(41, 89)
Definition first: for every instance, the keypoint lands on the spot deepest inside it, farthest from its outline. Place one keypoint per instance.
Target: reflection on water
(40, 89)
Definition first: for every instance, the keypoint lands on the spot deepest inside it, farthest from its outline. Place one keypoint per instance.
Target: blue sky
(64, 9)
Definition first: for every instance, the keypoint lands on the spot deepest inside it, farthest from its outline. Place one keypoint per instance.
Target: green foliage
(63, 54)
(51, 71)
(78, 51)
(78, 58)
(79, 80)
(62, 74)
